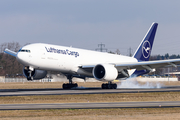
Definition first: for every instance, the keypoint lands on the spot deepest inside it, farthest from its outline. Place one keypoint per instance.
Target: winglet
(143, 52)
(10, 52)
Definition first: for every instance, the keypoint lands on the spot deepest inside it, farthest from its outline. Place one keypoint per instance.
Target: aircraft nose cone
(21, 58)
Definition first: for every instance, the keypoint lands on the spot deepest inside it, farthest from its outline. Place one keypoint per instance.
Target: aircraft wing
(87, 68)
(10, 52)
(149, 65)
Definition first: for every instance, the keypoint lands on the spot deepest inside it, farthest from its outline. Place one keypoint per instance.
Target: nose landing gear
(29, 72)
(30, 78)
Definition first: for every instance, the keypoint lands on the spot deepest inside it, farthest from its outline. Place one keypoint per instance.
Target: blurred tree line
(9, 66)
(164, 57)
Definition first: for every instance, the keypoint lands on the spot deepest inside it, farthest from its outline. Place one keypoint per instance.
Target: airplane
(38, 58)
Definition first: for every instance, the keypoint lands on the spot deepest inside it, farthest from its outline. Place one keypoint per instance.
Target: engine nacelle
(35, 74)
(105, 72)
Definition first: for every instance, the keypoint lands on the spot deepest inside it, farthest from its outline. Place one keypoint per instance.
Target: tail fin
(143, 52)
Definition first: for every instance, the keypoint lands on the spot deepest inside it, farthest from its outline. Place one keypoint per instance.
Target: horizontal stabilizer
(10, 52)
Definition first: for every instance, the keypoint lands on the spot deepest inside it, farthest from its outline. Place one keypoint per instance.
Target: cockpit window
(21, 50)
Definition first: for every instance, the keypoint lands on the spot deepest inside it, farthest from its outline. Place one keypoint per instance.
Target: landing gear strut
(30, 78)
(109, 85)
(70, 84)
(29, 71)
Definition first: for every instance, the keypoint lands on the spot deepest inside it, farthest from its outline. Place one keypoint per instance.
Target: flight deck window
(24, 51)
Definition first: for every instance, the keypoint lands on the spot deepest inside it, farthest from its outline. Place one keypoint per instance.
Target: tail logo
(146, 49)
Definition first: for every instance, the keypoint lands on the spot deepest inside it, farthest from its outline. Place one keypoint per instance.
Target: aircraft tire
(114, 86)
(103, 86)
(109, 86)
(69, 86)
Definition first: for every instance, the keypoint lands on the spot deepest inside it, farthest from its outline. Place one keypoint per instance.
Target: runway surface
(90, 105)
(51, 91)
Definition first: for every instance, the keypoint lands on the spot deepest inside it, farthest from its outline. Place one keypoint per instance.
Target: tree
(167, 56)
(9, 63)
(14, 46)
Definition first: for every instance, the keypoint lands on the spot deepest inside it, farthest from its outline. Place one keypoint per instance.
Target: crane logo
(146, 49)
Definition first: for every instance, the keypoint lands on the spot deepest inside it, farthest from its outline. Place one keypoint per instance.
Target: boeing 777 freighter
(39, 58)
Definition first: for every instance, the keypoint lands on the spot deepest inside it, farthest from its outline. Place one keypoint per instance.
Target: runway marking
(155, 104)
(83, 91)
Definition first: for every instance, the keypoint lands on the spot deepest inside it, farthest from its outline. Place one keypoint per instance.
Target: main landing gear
(70, 84)
(109, 85)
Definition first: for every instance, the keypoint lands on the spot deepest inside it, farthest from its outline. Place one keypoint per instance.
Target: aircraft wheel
(69, 86)
(114, 86)
(109, 86)
(104, 86)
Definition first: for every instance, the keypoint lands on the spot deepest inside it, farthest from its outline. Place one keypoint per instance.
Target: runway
(90, 105)
(51, 91)
(87, 105)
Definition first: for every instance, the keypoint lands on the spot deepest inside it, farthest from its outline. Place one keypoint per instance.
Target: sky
(119, 24)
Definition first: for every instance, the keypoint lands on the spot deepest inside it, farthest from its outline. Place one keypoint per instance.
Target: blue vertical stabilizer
(143, 52)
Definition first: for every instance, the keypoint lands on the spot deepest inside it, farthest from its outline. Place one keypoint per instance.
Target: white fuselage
(66, 59)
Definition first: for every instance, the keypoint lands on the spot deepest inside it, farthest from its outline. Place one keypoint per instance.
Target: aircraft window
(25, 51)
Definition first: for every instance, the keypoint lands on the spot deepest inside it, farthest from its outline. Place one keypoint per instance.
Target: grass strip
(116, 97)
(92, 114)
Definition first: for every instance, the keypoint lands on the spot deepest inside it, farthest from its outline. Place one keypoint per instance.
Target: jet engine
(35, 74)
(105, 72)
